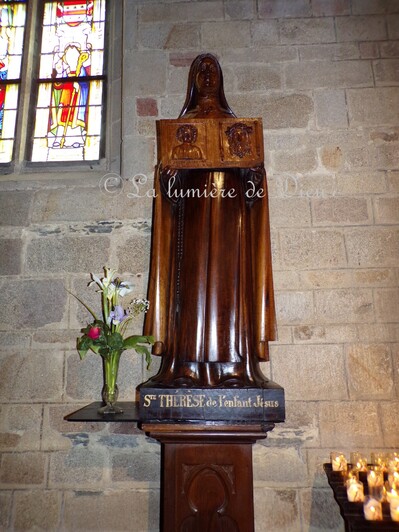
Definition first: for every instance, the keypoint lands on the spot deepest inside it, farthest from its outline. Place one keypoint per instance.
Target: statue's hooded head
(205, 81)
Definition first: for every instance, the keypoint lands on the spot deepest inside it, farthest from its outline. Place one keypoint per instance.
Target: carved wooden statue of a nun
(211, 289)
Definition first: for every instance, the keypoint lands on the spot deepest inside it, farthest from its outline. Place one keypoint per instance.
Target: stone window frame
(20, 165)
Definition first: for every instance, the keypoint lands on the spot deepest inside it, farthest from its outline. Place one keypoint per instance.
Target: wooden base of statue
(207, 436)
(206, 475)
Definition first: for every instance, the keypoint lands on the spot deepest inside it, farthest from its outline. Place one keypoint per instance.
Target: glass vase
(110, 390)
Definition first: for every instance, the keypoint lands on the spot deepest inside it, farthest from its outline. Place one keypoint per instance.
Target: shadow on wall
(324, 511)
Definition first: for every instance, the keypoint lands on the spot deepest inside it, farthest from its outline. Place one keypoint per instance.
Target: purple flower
(117, 315)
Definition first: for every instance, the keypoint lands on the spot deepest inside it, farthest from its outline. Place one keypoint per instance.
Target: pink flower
(94, 333)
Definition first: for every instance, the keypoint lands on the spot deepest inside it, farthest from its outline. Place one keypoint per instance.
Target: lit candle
(393, 462)
(379, 459)
(372, 509)
(352, 474)
(392, 494)
(358, 461)
(375, 481)
(338, 462)
(393, 457)
(375, 478)
(393, 477)
(394, 508)
(354, 490)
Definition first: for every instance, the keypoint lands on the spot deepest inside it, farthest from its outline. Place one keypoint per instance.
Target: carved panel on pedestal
(209, 506)
(207, 486)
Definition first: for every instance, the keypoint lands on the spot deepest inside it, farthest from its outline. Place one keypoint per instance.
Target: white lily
(125, 287)
(96, 280)
(110, 291)
(109, 276)
(106, 281)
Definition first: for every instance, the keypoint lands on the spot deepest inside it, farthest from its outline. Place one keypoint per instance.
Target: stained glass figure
(70, 93)
(12, 28)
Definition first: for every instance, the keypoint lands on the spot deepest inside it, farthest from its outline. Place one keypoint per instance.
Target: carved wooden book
(210, 143)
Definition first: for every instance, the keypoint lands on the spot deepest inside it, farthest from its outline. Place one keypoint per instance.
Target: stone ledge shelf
(90, 413)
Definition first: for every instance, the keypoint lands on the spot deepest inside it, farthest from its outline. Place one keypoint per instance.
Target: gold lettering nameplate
(245, 404)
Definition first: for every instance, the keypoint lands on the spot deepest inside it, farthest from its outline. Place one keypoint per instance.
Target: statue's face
(185, 134)
(207, 79)
(240, 135)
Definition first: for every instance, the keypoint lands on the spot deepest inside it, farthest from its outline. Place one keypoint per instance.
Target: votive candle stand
(378, 491)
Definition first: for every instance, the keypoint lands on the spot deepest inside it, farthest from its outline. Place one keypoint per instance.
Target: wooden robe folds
(210, 288)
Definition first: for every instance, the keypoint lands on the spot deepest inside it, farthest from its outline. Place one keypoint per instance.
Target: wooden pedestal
(207, 483)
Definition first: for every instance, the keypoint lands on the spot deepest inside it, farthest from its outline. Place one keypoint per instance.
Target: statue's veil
(192, 92)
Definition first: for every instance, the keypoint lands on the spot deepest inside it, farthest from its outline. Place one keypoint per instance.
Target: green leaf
(84, 304)
(103, 351)
(135, 342)
(131, 341)
(115, 341)
(83, 345)
(143, 350)
(82, 353)
(148, 359)
(95, 349)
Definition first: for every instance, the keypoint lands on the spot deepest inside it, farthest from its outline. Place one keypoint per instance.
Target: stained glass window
(68, 120)
(12, 28)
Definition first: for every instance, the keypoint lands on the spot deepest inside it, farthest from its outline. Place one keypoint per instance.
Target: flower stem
(111, 366)
(105, 306)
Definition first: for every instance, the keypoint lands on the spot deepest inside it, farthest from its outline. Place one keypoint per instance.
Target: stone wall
(324, 76)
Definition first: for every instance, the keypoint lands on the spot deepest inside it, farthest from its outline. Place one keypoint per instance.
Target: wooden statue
(210, 287)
